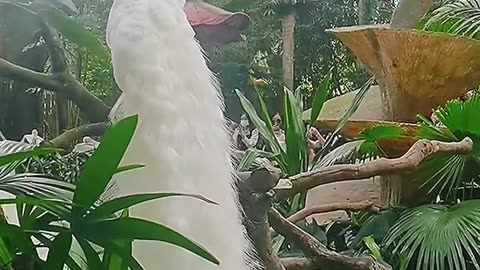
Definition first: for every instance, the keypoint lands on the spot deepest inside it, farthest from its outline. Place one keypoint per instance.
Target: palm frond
(442, 174)
(365, 148)
(445, 173)
(461, 118)
(459, 17)
(36, 185)
(373, 135)
(427, 130)
(345, 153)
(438, 237)
(9, 147)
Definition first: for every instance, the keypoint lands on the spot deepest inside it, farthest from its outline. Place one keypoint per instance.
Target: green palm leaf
(461, 118)
(372, 135)
(438, 237)
(345, 153)
(458, 17)
(365, 147)
(445, 173)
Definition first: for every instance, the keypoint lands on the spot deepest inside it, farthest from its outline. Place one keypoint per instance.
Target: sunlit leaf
(319, 98)
(373, 247)
(113, 206)
(260, 124)
(103, 164)
(137, 229)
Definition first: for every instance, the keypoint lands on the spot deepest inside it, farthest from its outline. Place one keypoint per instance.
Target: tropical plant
(442, 233)
(458, 17)
(291, 158)
(79, 215)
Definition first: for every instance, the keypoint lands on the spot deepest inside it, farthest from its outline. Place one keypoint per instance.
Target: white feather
(181, 136)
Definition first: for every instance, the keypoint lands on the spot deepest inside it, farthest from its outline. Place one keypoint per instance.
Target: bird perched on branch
(181, 135)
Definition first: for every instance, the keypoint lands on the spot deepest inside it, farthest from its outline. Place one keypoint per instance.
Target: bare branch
(421, 150)
(318, 209)
(298, 264)
(61, 82)
(55, 48)
(319, 255)
(16, 72)
(255, 201)
(409, 12)
(66, 139)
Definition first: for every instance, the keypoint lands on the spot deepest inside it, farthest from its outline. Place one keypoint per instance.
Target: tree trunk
(288, 30)
(394, 188)
(364, 18)
(409, 12)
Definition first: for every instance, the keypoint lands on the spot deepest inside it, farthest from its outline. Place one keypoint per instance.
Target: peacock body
(181, 135)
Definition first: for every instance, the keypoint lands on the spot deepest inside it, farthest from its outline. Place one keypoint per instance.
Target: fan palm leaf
(460, 17)
(437, 236)
(364, 148)
(445, 173)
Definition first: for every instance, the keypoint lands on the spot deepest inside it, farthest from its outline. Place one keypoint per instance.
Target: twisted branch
(419, 151)
(319, 209)
(318, 256)
(67, 138)
(61, 81)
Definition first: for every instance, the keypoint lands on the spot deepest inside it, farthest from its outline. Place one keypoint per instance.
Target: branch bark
(298, 264)
(256, 202)
(409, 12)
(317, 254)
(66, 139)
(61, 81)
(421, 150)
(318, 209)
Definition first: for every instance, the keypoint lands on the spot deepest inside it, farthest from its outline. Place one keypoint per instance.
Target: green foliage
(325, 156)
(372, 135)
(373, 248)
(443, 174)
(291, 157)
(437, 236)
(91, 222)
(434, 236)
(317, 53)
(455, 17)
(39, 10)
(319, 99)
(376, 226)
(75, 32)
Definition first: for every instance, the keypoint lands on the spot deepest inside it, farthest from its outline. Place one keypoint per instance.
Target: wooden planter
(417, 71)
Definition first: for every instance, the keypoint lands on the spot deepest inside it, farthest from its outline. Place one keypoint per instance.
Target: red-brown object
(215, 27)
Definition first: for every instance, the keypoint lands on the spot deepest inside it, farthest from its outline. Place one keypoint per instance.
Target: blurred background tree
(315, 51)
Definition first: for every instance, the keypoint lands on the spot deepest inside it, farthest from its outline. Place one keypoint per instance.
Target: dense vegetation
(63, 197)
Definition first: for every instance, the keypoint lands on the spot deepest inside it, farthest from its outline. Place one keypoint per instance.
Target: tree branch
(419, 151)
(409, 12)
(315, 251)
(61, 81)
(256, 202)
(66, 139)
(298, 264)
(16, 72)
(318, 209)
(55, 48)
